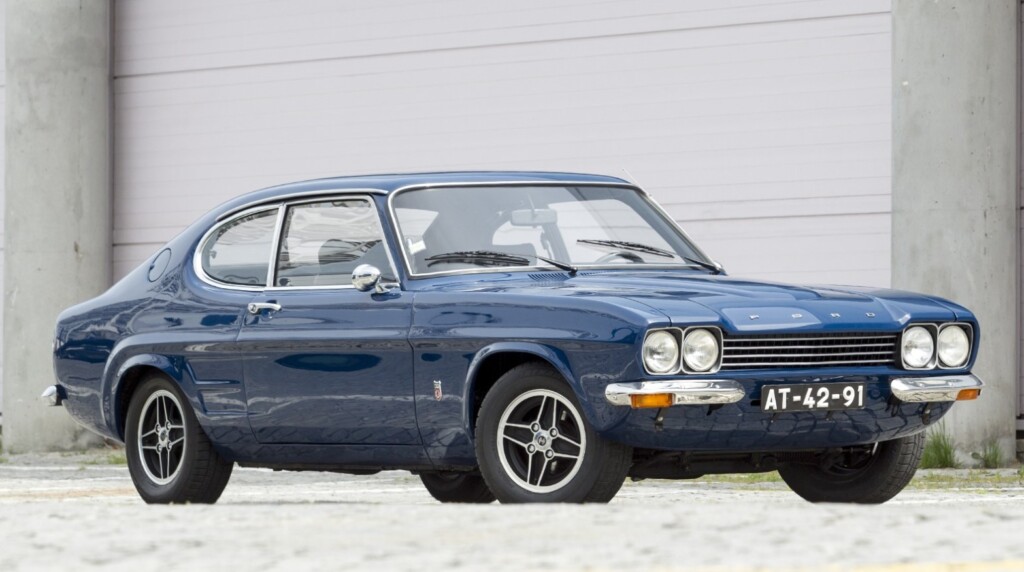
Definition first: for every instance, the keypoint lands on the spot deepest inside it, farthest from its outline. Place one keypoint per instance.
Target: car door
(323, 362)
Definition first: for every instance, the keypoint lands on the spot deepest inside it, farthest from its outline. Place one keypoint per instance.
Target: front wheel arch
(496, 360)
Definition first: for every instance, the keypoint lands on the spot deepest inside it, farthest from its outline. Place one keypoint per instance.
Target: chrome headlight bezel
(932, 330)
(716, 335)
(968, 330)
(681, 367)
(677, 336)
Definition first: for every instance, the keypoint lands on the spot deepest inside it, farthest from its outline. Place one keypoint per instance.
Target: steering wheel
(630, 256)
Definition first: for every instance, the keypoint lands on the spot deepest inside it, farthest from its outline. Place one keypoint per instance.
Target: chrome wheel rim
(161, 437)
(541, 441)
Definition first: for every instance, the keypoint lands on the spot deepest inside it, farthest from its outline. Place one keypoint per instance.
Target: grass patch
(971, 478)
(939, 450)
(3, 459)
(992, 456)
(116, 457)
(742, 478)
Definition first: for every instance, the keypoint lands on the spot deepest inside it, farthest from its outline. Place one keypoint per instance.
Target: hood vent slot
(549, 276)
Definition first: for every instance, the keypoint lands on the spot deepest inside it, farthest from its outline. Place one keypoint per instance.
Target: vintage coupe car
(520, 336)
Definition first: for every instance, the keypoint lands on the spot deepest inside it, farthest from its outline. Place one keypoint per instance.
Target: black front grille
(809, 350)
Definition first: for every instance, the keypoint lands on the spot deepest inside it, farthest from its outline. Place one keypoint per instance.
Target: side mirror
(366, 277)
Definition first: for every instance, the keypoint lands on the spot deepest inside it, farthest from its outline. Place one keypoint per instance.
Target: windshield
(458, 228)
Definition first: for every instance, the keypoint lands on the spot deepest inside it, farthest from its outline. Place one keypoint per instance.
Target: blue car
(519, 336)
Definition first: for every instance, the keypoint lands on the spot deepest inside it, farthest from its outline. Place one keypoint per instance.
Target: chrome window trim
(970, 344)
(275, 245)
(427, 186)
(322, 199)
(296, 195)
(282, 208)
(197, 256)
(935, 344)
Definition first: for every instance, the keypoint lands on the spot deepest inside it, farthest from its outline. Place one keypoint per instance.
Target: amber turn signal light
(651, 400)
(968, 394)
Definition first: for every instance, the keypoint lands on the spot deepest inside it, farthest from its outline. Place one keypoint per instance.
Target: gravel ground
(80, 513)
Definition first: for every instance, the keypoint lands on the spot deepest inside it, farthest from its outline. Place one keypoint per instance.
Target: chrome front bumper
(936, 388)
(933, 388)
(684, 392)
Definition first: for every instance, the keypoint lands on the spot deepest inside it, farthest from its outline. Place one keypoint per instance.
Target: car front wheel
(170, 459)
(534, 445)
(870, 476)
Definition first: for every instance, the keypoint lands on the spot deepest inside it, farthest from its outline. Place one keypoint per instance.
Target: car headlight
(918, 347)
(661, 352)
(954, 346)
(700, 349)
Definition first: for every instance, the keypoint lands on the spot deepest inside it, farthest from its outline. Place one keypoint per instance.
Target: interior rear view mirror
(534, 217)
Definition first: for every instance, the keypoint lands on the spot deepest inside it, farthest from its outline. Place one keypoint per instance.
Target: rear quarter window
(238, 252)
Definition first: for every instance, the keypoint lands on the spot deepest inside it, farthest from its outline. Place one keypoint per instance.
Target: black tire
(582, 467)
(872, 480)
(457, 487)
(178, 465)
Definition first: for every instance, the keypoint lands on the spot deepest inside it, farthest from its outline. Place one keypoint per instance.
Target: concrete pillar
(58, 198)
(955, 190)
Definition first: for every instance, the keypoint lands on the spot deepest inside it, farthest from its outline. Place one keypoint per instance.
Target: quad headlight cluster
(927, 346)
(693, 350)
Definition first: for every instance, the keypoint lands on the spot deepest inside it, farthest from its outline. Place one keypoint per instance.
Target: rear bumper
(53, 396)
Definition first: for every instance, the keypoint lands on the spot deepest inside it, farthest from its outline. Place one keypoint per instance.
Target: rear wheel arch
(132, 374)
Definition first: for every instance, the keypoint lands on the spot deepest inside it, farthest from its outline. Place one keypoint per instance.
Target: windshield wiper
(492, 258)
(646, 249)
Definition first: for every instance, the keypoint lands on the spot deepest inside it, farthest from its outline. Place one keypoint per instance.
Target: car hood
(740, 305)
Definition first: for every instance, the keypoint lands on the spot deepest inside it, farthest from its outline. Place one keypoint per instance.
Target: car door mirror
(366, 277)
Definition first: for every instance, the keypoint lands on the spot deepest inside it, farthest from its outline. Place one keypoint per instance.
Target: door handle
(257, 307)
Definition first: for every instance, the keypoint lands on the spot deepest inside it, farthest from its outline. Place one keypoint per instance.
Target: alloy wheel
(541, 441)
(161, 437)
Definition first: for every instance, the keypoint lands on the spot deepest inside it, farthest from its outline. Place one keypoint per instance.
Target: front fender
(589, 395)
(553, 356)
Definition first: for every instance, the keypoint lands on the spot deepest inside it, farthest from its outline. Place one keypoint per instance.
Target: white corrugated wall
(763, 126)
(3, 154)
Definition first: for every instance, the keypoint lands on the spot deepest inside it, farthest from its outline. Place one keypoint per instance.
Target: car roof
(393, 182)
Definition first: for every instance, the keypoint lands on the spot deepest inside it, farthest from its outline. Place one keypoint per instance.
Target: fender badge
(834, 314)
(754, 316)
(797, 316)
(870, 314)
(437, 390)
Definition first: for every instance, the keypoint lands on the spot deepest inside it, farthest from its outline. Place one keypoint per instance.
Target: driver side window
(323, 242)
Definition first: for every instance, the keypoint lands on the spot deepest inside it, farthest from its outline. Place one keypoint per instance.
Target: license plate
(812, 397)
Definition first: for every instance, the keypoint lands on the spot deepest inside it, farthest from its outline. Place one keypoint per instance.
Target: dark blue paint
(345, 379)
(332, 366)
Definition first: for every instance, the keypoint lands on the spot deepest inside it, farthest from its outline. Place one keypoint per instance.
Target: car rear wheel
(872, 476)
(534, 444)
(170, 459)
(457, 487)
